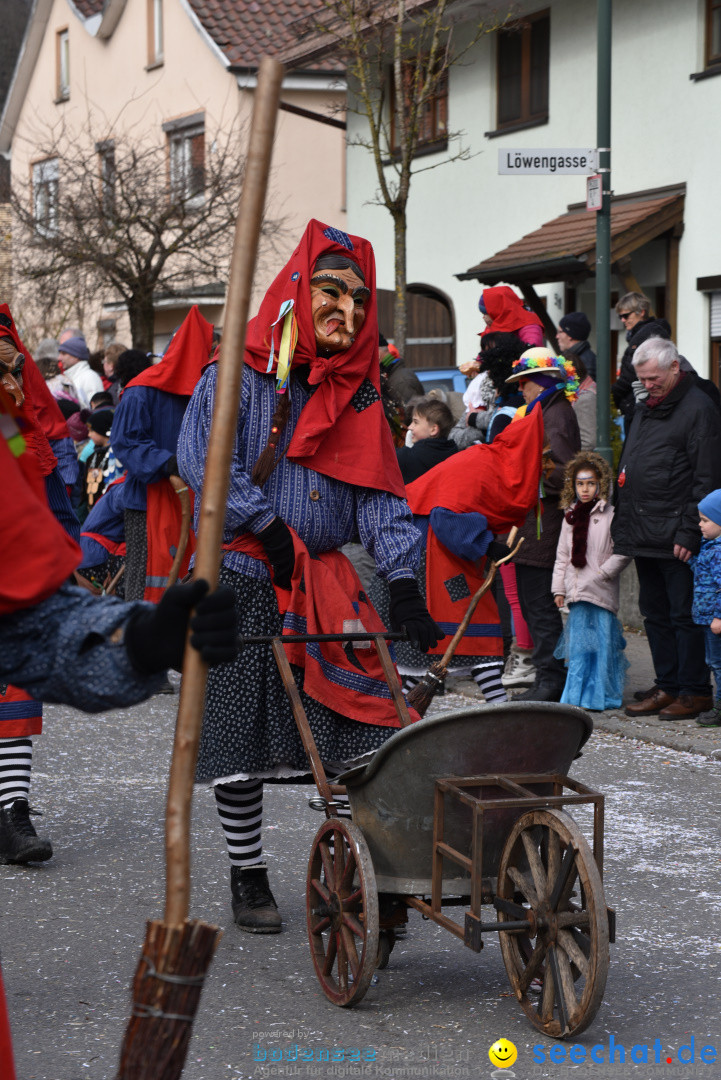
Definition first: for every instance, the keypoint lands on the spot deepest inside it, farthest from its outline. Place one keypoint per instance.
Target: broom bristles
(166, 992)
(423, 692)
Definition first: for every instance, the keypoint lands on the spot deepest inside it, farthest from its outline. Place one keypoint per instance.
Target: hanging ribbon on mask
(288, 342)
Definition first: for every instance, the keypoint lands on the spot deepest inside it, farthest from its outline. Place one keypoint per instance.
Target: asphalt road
(71, 930)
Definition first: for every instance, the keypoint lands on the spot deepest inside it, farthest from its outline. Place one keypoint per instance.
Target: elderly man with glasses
(670, 461)
(634, 311)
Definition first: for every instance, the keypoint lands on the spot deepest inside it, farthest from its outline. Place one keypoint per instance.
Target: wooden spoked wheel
(342, 905)
(549, 876)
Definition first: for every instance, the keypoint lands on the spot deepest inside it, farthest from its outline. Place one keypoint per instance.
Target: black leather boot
(19, 843)
(254, 907)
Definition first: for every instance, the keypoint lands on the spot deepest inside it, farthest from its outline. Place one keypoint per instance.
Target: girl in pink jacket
(585, 576)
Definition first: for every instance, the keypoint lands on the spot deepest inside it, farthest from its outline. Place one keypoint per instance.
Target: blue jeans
(713, 657)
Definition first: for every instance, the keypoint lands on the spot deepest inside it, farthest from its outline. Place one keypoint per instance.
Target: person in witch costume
(146, 426)
(59, 643)
(21, 715)
(461, 504)
(314, 466)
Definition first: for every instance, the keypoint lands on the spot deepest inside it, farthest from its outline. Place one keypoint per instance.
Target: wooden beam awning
(565, 248)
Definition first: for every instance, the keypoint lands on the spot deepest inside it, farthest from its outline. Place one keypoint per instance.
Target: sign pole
(603, 234)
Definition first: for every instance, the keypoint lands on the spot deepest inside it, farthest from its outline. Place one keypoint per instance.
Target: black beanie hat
(576, 325)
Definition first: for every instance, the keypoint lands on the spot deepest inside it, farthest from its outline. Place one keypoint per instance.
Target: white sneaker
(519, 669)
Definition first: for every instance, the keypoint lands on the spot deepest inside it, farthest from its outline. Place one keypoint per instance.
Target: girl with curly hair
(585, 576)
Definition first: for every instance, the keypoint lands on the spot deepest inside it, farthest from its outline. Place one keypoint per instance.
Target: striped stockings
(240, 806)
(16, 758)
(487, 678)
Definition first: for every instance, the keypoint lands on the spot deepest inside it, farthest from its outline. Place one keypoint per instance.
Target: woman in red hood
(504, 313)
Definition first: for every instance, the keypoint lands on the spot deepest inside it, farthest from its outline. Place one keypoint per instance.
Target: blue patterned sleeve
(716, 571)
(387, 532)
(247, 508)
(64, 651)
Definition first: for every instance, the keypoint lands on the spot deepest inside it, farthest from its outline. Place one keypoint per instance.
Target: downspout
(603, 234)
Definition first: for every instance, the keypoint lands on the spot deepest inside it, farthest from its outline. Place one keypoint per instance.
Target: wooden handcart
(463, 810)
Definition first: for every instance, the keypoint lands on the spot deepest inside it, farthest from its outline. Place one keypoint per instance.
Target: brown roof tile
(311, 44)
(246, 30)
(568, 242)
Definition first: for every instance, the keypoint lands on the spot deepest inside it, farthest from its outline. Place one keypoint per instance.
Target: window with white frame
(62, 58)
(186, 146)
(45, 196)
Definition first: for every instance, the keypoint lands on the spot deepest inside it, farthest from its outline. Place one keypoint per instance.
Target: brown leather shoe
(686, 707)
(658, 699)
(641, 695)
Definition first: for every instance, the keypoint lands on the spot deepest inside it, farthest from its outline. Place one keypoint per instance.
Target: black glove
(155, 640)
(171, 466)
(408, 610)
(278, 545)
(497, 550)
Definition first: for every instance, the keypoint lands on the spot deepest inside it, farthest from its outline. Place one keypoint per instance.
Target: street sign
(539, 162)
(594, 192)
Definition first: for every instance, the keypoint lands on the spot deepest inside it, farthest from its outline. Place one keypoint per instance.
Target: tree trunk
(142, 321)
(400, 318)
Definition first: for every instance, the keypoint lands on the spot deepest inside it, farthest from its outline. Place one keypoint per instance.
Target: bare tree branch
(136, 234)
(375, 38)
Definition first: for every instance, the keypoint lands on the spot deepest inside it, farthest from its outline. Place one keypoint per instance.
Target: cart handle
(300, 639)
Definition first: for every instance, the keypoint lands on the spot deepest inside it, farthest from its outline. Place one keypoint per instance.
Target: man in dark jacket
(572, 334)
(633, 310)
(671, 460)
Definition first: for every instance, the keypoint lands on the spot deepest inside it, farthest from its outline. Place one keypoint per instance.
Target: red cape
(507, 311)
(186, 356)
(353, 444)
(38, 553)
(499, 479)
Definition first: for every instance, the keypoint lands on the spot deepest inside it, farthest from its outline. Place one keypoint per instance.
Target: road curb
(682, 735)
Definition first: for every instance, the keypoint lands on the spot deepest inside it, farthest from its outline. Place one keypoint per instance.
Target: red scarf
(184, 360)
(579, 518)
(327, 597)
(507, 311)
(348, 443)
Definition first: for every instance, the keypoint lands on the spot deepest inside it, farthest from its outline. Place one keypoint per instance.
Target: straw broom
(423, 693)
(177, 952)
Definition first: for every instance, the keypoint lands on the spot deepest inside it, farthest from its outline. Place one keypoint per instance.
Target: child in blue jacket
(706, 609)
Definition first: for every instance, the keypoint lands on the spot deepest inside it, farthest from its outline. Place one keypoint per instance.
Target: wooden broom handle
(217, 479)
(447, 655)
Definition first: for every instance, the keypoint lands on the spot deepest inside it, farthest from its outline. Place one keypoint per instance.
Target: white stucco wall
(112, 93)
(664, 131)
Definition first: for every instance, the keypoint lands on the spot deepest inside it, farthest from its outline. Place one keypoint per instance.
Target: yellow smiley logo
(503, 1053)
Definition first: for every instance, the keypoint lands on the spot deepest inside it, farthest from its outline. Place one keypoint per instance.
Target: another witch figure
(586, 577)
